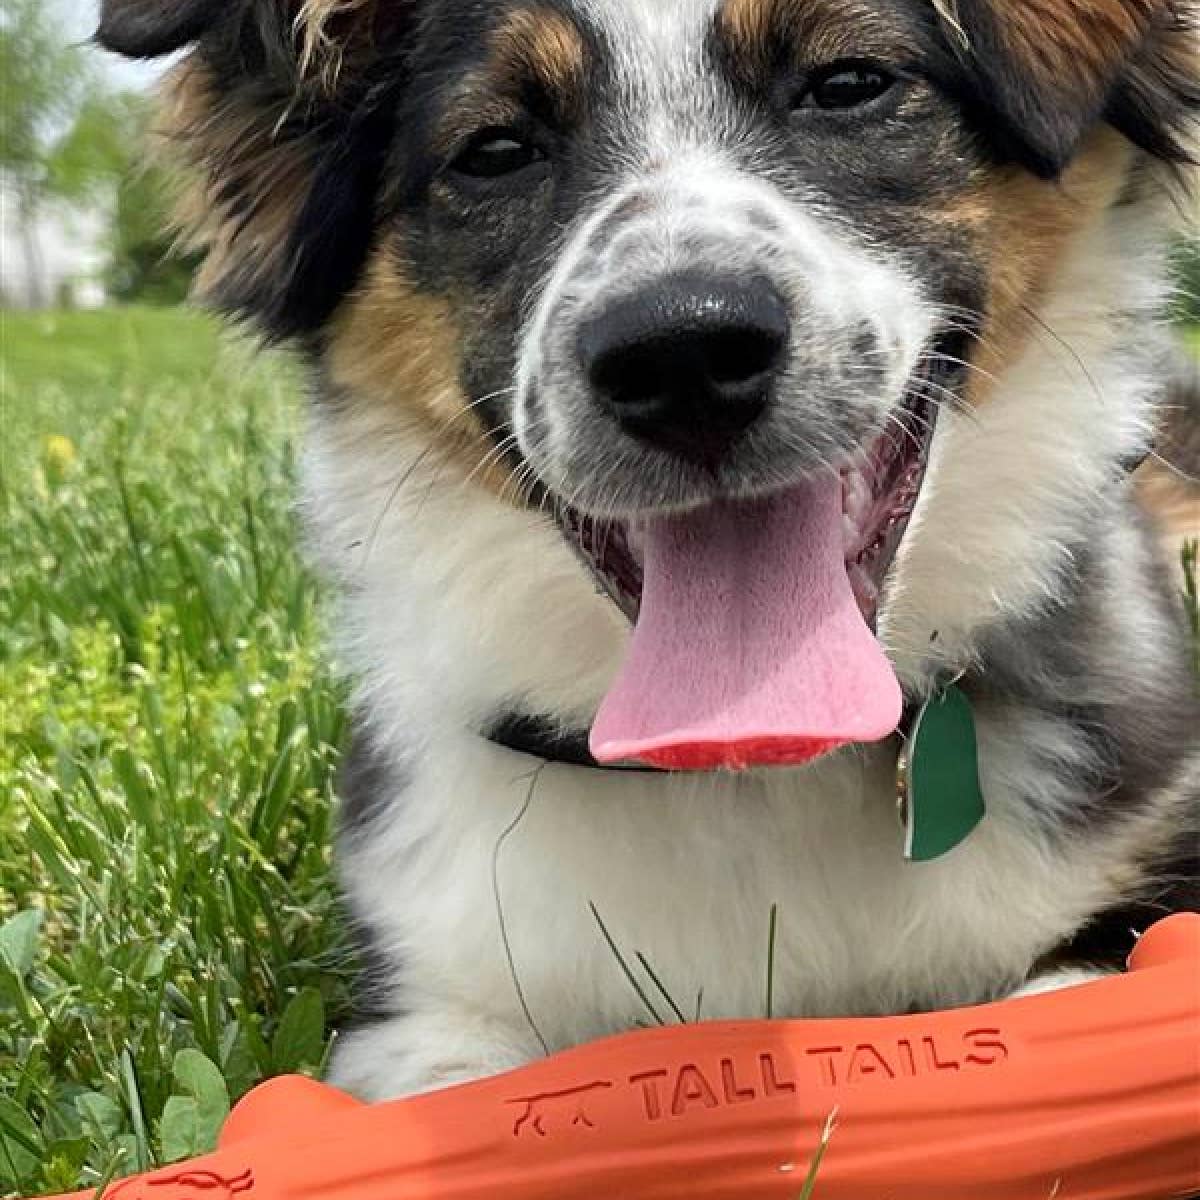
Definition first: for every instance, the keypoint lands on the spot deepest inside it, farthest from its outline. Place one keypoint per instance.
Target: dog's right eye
(845, 85)
(494, 153)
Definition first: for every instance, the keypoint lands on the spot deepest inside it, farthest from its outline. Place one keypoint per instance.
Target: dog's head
(668, 254)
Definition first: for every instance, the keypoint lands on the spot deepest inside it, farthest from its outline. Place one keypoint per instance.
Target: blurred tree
(47, 83)
(65, 136)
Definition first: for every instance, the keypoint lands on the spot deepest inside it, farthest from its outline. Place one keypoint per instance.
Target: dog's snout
(688, 363)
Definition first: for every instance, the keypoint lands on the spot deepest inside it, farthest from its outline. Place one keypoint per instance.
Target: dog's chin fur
(1027, 551)
(484, 884)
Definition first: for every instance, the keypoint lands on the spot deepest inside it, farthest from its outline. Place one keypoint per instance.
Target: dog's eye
(494, 153)
(844, 86)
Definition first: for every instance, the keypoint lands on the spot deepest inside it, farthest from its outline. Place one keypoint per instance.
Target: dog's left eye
(494, 153)
(845, 86)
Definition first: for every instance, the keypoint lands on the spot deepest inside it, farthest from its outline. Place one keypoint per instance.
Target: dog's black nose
(689, 364)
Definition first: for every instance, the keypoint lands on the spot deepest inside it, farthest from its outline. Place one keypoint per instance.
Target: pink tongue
(750, 649)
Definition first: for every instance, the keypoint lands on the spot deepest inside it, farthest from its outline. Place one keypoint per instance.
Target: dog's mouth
(754, 641)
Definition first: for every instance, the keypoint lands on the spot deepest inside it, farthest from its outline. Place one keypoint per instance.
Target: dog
(821, 339)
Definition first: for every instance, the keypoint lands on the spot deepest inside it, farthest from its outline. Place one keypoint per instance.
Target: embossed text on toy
(674, 1092)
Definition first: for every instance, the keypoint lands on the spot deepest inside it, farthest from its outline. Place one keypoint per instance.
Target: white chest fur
(684, 874)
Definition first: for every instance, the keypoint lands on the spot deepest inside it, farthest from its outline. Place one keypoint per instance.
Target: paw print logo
(186, 1185)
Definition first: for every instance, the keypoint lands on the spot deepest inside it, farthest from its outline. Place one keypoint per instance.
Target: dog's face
(698, 250)
(642, 255)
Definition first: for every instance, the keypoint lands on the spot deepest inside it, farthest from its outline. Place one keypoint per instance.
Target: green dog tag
(941, 794)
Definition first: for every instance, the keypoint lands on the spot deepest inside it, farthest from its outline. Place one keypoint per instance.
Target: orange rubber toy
(1087, 1094)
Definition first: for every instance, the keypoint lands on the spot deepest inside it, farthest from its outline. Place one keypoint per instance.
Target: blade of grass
(771, 941)
(814, 1170)
(1191, 595)
(662, 991)
(634, 982)
(137, 1113)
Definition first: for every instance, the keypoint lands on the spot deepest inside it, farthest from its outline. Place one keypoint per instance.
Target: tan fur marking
(819, 30)
(1058, 41)
(1029, 227)
(391, 347)
(322, 43)
(544, 45)
(747, 23)
(1175, 503)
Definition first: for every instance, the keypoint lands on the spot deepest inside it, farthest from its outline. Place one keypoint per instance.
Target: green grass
(168, 931)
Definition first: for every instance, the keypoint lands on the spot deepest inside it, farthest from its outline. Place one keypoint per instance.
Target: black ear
(1043, 73)
(149, 28)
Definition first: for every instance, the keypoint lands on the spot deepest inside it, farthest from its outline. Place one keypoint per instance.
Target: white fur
(1057, 981)
(685, 872)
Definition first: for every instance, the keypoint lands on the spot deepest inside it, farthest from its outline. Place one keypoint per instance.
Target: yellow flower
(59, 456)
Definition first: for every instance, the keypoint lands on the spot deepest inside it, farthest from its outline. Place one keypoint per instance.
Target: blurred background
(83, 211)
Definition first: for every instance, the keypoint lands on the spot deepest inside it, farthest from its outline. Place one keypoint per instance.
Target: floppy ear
(281, 117)
(148, 28)
(1047, 71)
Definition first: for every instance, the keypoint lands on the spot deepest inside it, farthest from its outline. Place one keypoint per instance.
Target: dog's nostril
(689, 364)
(741, 355)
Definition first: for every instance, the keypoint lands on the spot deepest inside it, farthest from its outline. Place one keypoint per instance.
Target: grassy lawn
(168, 734)
(168, 930)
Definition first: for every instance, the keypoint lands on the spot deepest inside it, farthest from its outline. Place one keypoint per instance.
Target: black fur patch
(368, 785)
(1109, 938)
(1142, 726)
(1157, 100)
(1139, 737)
(330, 242)
(541, 738)
(1019, 116)
(338, 132)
